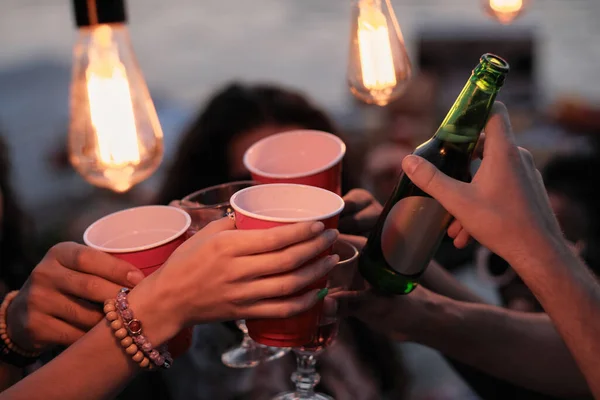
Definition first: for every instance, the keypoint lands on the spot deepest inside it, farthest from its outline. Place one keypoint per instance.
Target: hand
(399, 317)
(360, 212)
(62, 298)
(505, 207)
(226, 274)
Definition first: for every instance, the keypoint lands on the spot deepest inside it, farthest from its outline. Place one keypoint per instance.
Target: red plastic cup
(304, 157)
(270, 205)
(145, 237)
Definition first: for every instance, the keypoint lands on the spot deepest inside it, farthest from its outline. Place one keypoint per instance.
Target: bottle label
(410, 233)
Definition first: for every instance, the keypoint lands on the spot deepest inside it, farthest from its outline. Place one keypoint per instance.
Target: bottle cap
(94, 12)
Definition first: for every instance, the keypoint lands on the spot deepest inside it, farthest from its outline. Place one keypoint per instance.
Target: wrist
(542, 251)
(436, 314)
(158, 311)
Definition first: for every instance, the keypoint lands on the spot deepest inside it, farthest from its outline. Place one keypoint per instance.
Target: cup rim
(217, 205)
(250, 214)
(355, 252)
(182, 231)
(275, 136)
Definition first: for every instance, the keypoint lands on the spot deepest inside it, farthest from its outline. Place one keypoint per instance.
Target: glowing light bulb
(504, 11)
(115, 138)
(378, 66)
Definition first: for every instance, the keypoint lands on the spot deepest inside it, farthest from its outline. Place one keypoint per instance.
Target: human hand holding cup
(145, 237)
(271, 205)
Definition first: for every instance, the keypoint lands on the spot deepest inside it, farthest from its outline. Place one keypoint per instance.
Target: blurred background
(188, 48)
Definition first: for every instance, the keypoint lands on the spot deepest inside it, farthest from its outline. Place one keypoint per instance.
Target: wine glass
(306, 376)
(205, 206)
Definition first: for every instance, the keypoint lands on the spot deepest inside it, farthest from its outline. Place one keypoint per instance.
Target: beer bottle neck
(468, 116)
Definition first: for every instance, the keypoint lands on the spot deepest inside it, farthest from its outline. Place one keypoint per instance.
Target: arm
(440, 281)
(255, 283)
(95, 367)
(570, 294)
(522, 348)
(9, 375)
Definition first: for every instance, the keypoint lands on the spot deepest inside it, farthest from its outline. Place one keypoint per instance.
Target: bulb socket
(95, 12)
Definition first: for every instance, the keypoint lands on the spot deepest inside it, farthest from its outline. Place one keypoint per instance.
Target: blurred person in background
(408, 122)
(211, 153)
(16, 261)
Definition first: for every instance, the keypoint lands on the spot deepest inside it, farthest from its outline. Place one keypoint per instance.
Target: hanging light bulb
(504, 11)
(115, 138)
(378, 67)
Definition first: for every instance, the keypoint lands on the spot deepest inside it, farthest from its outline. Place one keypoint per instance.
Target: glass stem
(306, 376)
(247, 342)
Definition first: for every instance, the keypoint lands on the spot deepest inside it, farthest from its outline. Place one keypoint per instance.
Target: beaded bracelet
(31, 355)
(160, 356)
(121, 333)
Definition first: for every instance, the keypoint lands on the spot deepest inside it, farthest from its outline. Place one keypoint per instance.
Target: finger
(57, 332)
(282, 261)
(330, 307)
(288, 284)
(452, 194)
(85, 286)
(175, 203)
(527, 158)
(74, 311)
(363, 221)
(353, 303)
(265, 240)
(478, 152)
(214, 227)
(462, 239)
(356, 200)
(454, 228)
(281, 308)
(499, 136)
(84, 259)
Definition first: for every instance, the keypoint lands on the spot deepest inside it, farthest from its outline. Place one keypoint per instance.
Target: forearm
(9, 375)
(570, 294)
(521, 348)
(440, 281)
(96, 366)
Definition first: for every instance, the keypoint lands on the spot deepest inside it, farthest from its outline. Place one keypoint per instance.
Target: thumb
(222, 224)
(449, 192)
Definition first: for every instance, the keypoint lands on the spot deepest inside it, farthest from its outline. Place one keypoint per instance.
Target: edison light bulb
(115, 138)
(505, 11)
(378, 65)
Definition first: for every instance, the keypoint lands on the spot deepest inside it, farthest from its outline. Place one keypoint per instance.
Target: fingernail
(135, 277)
(322, 293)
(410, 163)
(331, 234)
(317, 227)
(332, 260)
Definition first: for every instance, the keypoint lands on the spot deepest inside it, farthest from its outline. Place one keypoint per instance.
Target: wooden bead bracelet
(4, 332)
(128, 331)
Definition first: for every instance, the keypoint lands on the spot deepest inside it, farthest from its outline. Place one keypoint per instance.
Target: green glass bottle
(412, 224)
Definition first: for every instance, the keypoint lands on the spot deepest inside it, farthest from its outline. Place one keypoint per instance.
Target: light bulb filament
(375, 51)
(110, 102)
